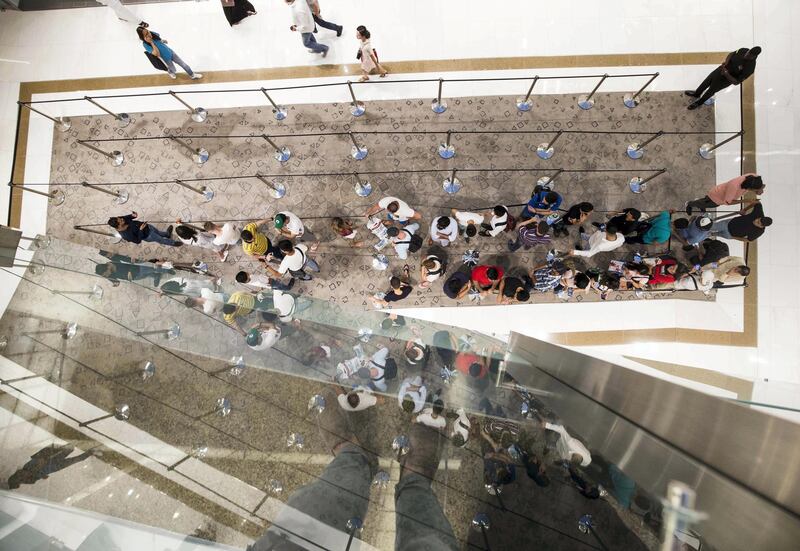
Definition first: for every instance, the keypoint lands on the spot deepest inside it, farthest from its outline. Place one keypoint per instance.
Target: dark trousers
(325, 24)
(713, 83)
(702, 204)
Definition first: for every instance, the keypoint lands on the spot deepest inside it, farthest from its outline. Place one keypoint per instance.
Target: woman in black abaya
(237, 10)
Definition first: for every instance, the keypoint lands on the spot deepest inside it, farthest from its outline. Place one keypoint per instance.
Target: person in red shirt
(486, 278)
(664, 272)
(471, 364)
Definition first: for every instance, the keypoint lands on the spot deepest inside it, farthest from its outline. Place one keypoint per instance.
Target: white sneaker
(172, 75)
(196, 76)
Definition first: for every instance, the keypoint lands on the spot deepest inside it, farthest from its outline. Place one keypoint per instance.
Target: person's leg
(717, 84)
(170, 66)
(159, 237)
(702, 204)
(721, 228)
(176, 58)
(327, 25)
(311, 43)
(703, 85)
(312, 265)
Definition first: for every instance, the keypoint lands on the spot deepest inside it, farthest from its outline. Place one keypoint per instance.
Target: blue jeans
(311, 43)
(326, 24)
(176, 59)
(161, 237)
(720, 229)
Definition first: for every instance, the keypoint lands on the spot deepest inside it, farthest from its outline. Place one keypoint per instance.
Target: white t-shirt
(568, 445)
(598, 244)
(229, 235)
(401, 242)
(204, 240)
(498, 229)
(378, 362)
(260, 280)
(268, 338)
(285, 304)
(296, 261)
(466, 218)
(294, 225)
(462, 425)
(418, 396)
(301, 16)
(366, 399)
(427, 418)
(404, 212)
(213, 301)
(446, 236)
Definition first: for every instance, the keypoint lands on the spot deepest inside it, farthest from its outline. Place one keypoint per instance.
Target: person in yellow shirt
(257, 244)
(240, 305)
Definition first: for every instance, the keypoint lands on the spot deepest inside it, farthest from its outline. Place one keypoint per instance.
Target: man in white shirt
(210, 301)
(287, 305)
(289, 225)
(412, 394)
(358, 399)
(461, 428)
(294, 261)
(468, 222)
(227, 234)
(444, 231)
(568, 447)
(303, 22)
(401, 239)
(259, 282)
(263, 335)
(497, 223)
(601, 241)
(432, 416)
(397, 210)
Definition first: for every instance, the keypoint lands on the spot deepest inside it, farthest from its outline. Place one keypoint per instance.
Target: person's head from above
(743, 271)
(704, 222)
(442, 222)
(763, 222)
(429, 263)
(191, 302)
(414, 353)
(542, 228)
(362, 33)
(104, 270)
(280, 220)
(143, 33)
(586, 208)
(493, 274)
(637, 267)
(387, 324)
(458, 440)
(408, 404)
(455, 285)
(753, 52)
(353, 399)
(242, 277)
(286, 247)
(247, 236)
(681, 223)
(611, 232)
(438, 407)
(289, 2)
(507, 440)
(582, 280)
(471, 230)
(209, 226)
(117, 222)
(338, 223)
(609, 281)
(185, 232)
(550, 197)
(395, 283)
(632, 215)
(253, 337)
(503, 475)
(228, 308)
(393, 207)
(672, 268)
(269, 317)
(475, 369)
(522, 295)
(499, 210)
(393, 231)
(755, 183)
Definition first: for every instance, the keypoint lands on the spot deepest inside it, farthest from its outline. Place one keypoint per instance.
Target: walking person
(736, 68)
(237, 11)
(295, 260)
(367, 55)
(444, 231)
(134, 231)
(727, 193)
(343, 227)
(315, 12)
(430, 270)
(157, 47)
(203, 239)
(303, 22)
(749, 225)
(599, 242)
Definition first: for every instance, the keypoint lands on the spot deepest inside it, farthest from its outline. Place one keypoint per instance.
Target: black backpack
(414, 244)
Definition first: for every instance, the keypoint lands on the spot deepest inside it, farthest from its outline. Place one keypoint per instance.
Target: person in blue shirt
(542, 203)
(157, 47)
(133, 231)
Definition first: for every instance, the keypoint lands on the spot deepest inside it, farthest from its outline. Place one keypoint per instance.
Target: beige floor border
(748, 337)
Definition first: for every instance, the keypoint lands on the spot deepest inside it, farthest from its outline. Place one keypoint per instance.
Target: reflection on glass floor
(350, 429)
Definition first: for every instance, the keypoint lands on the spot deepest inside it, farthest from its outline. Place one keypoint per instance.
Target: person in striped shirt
(256, 244)
(240, 305)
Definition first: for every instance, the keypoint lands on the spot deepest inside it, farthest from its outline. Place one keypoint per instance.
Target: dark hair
(190, 302)
(395, 282)
(269, 317)
(285, 246)
(280, 218)
(471, 230)
(393, 206)
(458, 439)
(353, 399)
(408, 404)
(523, 295)
(140, 31)
(500, 210)
(635, 213)
(753, 182)
(386, 324)
(551, 197)
(581, 280)
(542, 228)
(442, 222)
(362, 30)
(492, 273)
(754, 51)
(586, 207)
(438, 407)
(766, 221)
(113, 222)
(611, 229)
(208, 226)
(454, 285)
(228, 308)
(681, 223)
(609, 280)
(392, 231)
(743, 270)
(173, 288)
(185, 232)
(246, 235)
(475, 369)
(242, 277)
(638, 267)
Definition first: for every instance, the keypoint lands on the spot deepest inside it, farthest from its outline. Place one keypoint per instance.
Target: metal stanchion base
(64, 123)
(41, 242)
(36, 269)
(636, 185)
(57, 198)
(200, 155)
(358, 108)
(706, 152)
(358, 153)
(634, 152)
(363, 190)
(117, 158)
(710, 101)
(122, 197)
(451, 186)
(524, 105)
(544, 181)
(280, 113)
(283, 154)
(630, 101)
(123, 120)
(585, 102)
(438, 106)
(447, 151)
(208, 194)
(277, 190)
(543, 152)
(199, 114)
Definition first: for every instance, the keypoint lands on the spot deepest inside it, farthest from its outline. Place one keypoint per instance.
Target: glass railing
(286, 422)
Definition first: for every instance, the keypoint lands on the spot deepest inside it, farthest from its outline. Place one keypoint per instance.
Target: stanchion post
(116, 157)
(62, 123)
(123, 119)
(277, 110)
(276, 189)
(547, 181)
(639, 185)
(199, 154)
(357, 152)
(636, 150)
(55, 197)
(362, 189)
(706, 150)
(446, 149)
(438, 106)
(451, 184)
(357, 108)
(545, 150)
(632, 100)
(282, 154)
(587, 102)
(113, 236)
(525, 104)
(120, 195)
(198, 114)
(207, 194)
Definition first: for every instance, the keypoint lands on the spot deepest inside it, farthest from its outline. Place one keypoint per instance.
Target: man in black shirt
(575, 216)
(133, 231)
(626, 221)
(738, 66)
(745, 227)
(512, 289)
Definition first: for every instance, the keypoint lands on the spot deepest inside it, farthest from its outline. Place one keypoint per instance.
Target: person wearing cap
(691, 232)
(736, 68)
(396, 209)
(290, 226)
(444, 231)
(727, 193)
(263, 336)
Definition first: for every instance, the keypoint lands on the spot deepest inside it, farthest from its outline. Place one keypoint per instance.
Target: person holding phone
(303, 22)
